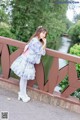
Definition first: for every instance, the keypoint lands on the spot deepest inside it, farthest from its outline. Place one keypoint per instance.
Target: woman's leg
(22, 93)
(23, 86)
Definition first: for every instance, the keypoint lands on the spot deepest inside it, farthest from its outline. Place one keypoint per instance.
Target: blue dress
(23, 66)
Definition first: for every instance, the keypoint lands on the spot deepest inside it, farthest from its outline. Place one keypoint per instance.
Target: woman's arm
(25, 48)
(37, 47)
(44, 44)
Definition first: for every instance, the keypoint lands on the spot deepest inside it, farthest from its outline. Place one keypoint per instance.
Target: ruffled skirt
(22, 68)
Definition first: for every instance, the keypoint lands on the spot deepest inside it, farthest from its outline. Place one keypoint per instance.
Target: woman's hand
(44, 40)
(44, 45)
(25, 48)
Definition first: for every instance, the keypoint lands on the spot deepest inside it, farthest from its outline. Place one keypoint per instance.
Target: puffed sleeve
(36, 47)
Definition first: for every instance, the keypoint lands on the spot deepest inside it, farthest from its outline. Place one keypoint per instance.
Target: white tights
(23, 86)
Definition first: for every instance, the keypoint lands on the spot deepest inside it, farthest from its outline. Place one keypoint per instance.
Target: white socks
(23, 86)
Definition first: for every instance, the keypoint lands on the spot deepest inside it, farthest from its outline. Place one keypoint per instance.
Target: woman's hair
(38, 31)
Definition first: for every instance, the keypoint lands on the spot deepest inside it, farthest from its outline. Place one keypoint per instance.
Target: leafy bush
(5, 30)
(74, 32)
(75, 50)
(64, 84)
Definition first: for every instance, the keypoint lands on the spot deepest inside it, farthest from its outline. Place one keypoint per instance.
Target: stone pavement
(33, 110)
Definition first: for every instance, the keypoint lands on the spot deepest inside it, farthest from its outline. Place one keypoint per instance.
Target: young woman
(23, 66)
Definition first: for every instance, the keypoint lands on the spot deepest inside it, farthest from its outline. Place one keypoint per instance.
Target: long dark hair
(38, 31)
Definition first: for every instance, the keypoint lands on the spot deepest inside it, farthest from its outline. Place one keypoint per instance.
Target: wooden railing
(55, 75)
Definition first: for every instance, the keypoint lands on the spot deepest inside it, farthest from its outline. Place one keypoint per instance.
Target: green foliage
(74, 32)
(27, 15)
(75, 50)
(69, 24)
(3, 16)
(64, 84)
(4, 5)
(5, 30)
(77, 93)
(77, 17)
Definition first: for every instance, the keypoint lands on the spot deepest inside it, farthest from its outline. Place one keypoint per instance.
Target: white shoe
(24, 98)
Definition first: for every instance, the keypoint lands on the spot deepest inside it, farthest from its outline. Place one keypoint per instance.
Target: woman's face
(42, 35)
